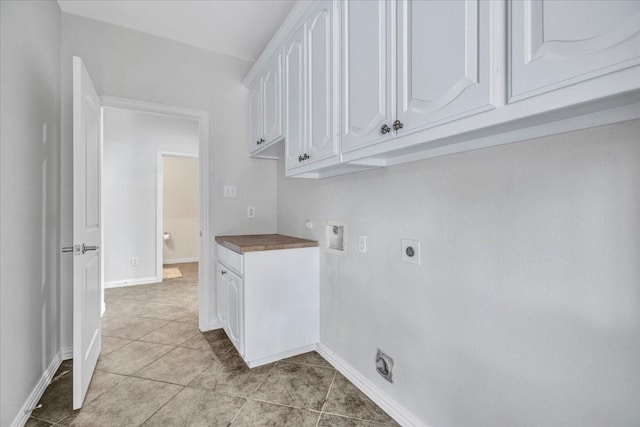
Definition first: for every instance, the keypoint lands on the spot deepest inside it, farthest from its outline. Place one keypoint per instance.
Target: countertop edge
(302, 243)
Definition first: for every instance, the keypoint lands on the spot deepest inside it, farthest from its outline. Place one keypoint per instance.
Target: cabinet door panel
(255, 117)
(559, 43)
(321, 80)
(294, 94)
(235, 310)
(367, 69)
(221, 295)
(272, 101)
(444, 66)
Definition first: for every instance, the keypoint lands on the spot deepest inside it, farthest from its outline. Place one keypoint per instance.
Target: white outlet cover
(412, 256)
(362, 244)
(230, 191)
(251, 212)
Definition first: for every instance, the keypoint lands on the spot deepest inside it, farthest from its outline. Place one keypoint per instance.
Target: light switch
(230, 191)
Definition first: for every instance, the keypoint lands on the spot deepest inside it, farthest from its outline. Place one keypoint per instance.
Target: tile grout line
(265, 378)
(162, 406)
(238, 413)
(326, 398)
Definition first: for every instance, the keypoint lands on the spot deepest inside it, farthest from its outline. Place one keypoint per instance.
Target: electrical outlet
(411, 251)
(362, 244)
(135, 261)
(251, 212)
(230, 191)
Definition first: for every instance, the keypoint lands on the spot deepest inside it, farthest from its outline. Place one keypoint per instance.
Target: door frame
(205, 320)
(160, 205)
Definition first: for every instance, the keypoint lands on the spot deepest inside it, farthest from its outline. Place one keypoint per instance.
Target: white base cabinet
(268, 302)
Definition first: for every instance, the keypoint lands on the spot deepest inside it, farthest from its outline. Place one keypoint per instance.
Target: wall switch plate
(411, 251)
(251, 212)
(135, 261)
(362, 244)
(230, 191)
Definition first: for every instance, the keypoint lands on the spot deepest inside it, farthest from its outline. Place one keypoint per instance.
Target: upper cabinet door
(255, 117)
(321, 128)
(367, 72)
(562, 42)
(272, 100)
(444, 61)
(294, 96)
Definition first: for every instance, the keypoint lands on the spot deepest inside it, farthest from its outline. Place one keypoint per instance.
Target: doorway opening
(177, 217)
(154, 153)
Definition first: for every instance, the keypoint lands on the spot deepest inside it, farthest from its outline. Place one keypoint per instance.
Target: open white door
(87, 149)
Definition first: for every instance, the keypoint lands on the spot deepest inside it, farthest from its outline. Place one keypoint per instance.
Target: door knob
(385, 129)
(397, 125)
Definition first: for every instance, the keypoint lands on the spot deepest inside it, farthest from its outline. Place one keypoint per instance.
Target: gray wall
(131, 143)
(134, 65)
(526, 308)
(30, 98)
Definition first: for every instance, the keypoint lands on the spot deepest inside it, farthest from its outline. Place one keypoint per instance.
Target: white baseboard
(67, 352)
(24, 414)
(279, 356)
(180, 260)
(214, 324)
(390, 406)
(132, 282)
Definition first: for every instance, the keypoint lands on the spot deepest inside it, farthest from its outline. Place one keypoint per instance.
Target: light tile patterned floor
(157, 369)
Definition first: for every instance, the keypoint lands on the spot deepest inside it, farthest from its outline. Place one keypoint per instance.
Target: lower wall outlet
(384, 365)
(135, 261)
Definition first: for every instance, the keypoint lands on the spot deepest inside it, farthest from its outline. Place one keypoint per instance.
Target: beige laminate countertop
(263, 242)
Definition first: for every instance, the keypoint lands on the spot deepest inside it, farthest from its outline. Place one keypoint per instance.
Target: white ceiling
(240, 28)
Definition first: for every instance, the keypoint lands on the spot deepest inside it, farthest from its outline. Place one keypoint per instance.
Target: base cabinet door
(234, 291)
(443, 62)
(221, 288)
(559, 43)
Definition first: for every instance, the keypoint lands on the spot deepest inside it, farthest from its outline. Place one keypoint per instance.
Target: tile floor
(158, 369)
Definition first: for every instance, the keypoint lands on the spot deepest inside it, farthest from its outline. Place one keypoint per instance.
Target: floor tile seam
(165, 343)
(154, 360)
(238, 413)
(44, 420)
(264, 379)
(140, 341)
(284, 405)
(326, 397)
(136, 375)
(216, 391)
(162, 406)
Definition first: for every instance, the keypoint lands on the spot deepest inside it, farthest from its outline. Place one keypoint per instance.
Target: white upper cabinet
(443, 61)
(374, 83)
(310, 70)
(559, 43)
(265, 107)
(294, 99)
(255, 117)
(367, 72)
(321, 129)
(441, 69)
(272, 100)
